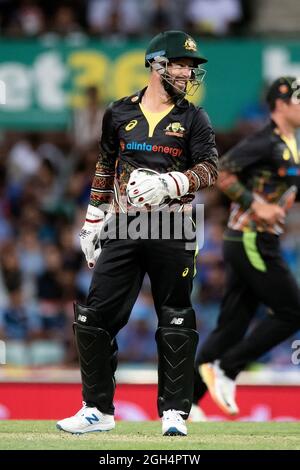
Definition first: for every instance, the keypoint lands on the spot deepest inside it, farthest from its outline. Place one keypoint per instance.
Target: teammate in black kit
(261, 176)
(157, 149)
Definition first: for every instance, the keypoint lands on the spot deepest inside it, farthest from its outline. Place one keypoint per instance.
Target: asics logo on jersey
(177, 321)
(131, 125)
(144, 147)
(185, 272)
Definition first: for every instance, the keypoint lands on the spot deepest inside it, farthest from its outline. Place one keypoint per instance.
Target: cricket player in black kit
(156, 150)
(261, 176)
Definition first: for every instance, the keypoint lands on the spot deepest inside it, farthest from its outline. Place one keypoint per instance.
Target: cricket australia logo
(176, 129)
(190, 45)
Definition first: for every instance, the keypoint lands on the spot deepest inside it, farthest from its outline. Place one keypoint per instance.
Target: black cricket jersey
(268, 164)
(178, 139)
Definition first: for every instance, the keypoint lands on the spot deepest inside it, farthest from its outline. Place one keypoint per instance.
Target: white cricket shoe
(221, 388)
(87, 419)
(173, 424)
(197, 415)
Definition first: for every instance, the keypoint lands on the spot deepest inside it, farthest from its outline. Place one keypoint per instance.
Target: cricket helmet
(167, 47)
(173, 45)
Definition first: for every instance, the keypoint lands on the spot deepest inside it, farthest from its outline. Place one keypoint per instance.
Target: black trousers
(118, 275)
(122, 265)
(255, 273)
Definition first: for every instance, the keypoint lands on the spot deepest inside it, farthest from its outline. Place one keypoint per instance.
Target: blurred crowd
(79, 19)
(124, 18)
(45, 183)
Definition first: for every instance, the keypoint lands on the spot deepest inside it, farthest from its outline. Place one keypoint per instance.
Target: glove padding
(90, 234)
(149, 187)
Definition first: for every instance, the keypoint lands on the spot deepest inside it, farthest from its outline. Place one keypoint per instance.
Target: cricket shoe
(87, 419)
(222, 389)
(173, 424)
(197, 415)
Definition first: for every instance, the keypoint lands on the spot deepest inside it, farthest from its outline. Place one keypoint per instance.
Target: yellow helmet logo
(131, 125)
(190, 45)
(185, 272)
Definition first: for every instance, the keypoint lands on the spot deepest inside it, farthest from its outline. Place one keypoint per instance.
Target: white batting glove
(90, 234)
(149, 187)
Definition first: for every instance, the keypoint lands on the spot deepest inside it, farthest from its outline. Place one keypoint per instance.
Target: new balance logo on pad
(177, 321)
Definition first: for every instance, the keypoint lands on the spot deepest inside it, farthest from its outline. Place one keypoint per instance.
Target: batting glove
(90, 234)
(149, 187)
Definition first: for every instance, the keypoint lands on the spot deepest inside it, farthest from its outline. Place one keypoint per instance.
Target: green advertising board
(43, 82)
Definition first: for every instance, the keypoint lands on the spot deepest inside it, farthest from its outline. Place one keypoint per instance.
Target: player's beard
(173, 90)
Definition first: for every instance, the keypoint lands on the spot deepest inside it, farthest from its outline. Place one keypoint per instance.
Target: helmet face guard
(169, 46)
(197, 74)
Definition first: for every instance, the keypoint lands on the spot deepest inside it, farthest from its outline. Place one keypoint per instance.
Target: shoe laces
(173, 414)
(82, 409)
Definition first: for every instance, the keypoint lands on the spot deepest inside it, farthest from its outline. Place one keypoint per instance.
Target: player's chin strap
(160, 64)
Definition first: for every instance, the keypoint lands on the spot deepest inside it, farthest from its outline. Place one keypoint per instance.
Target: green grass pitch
(31, 435)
